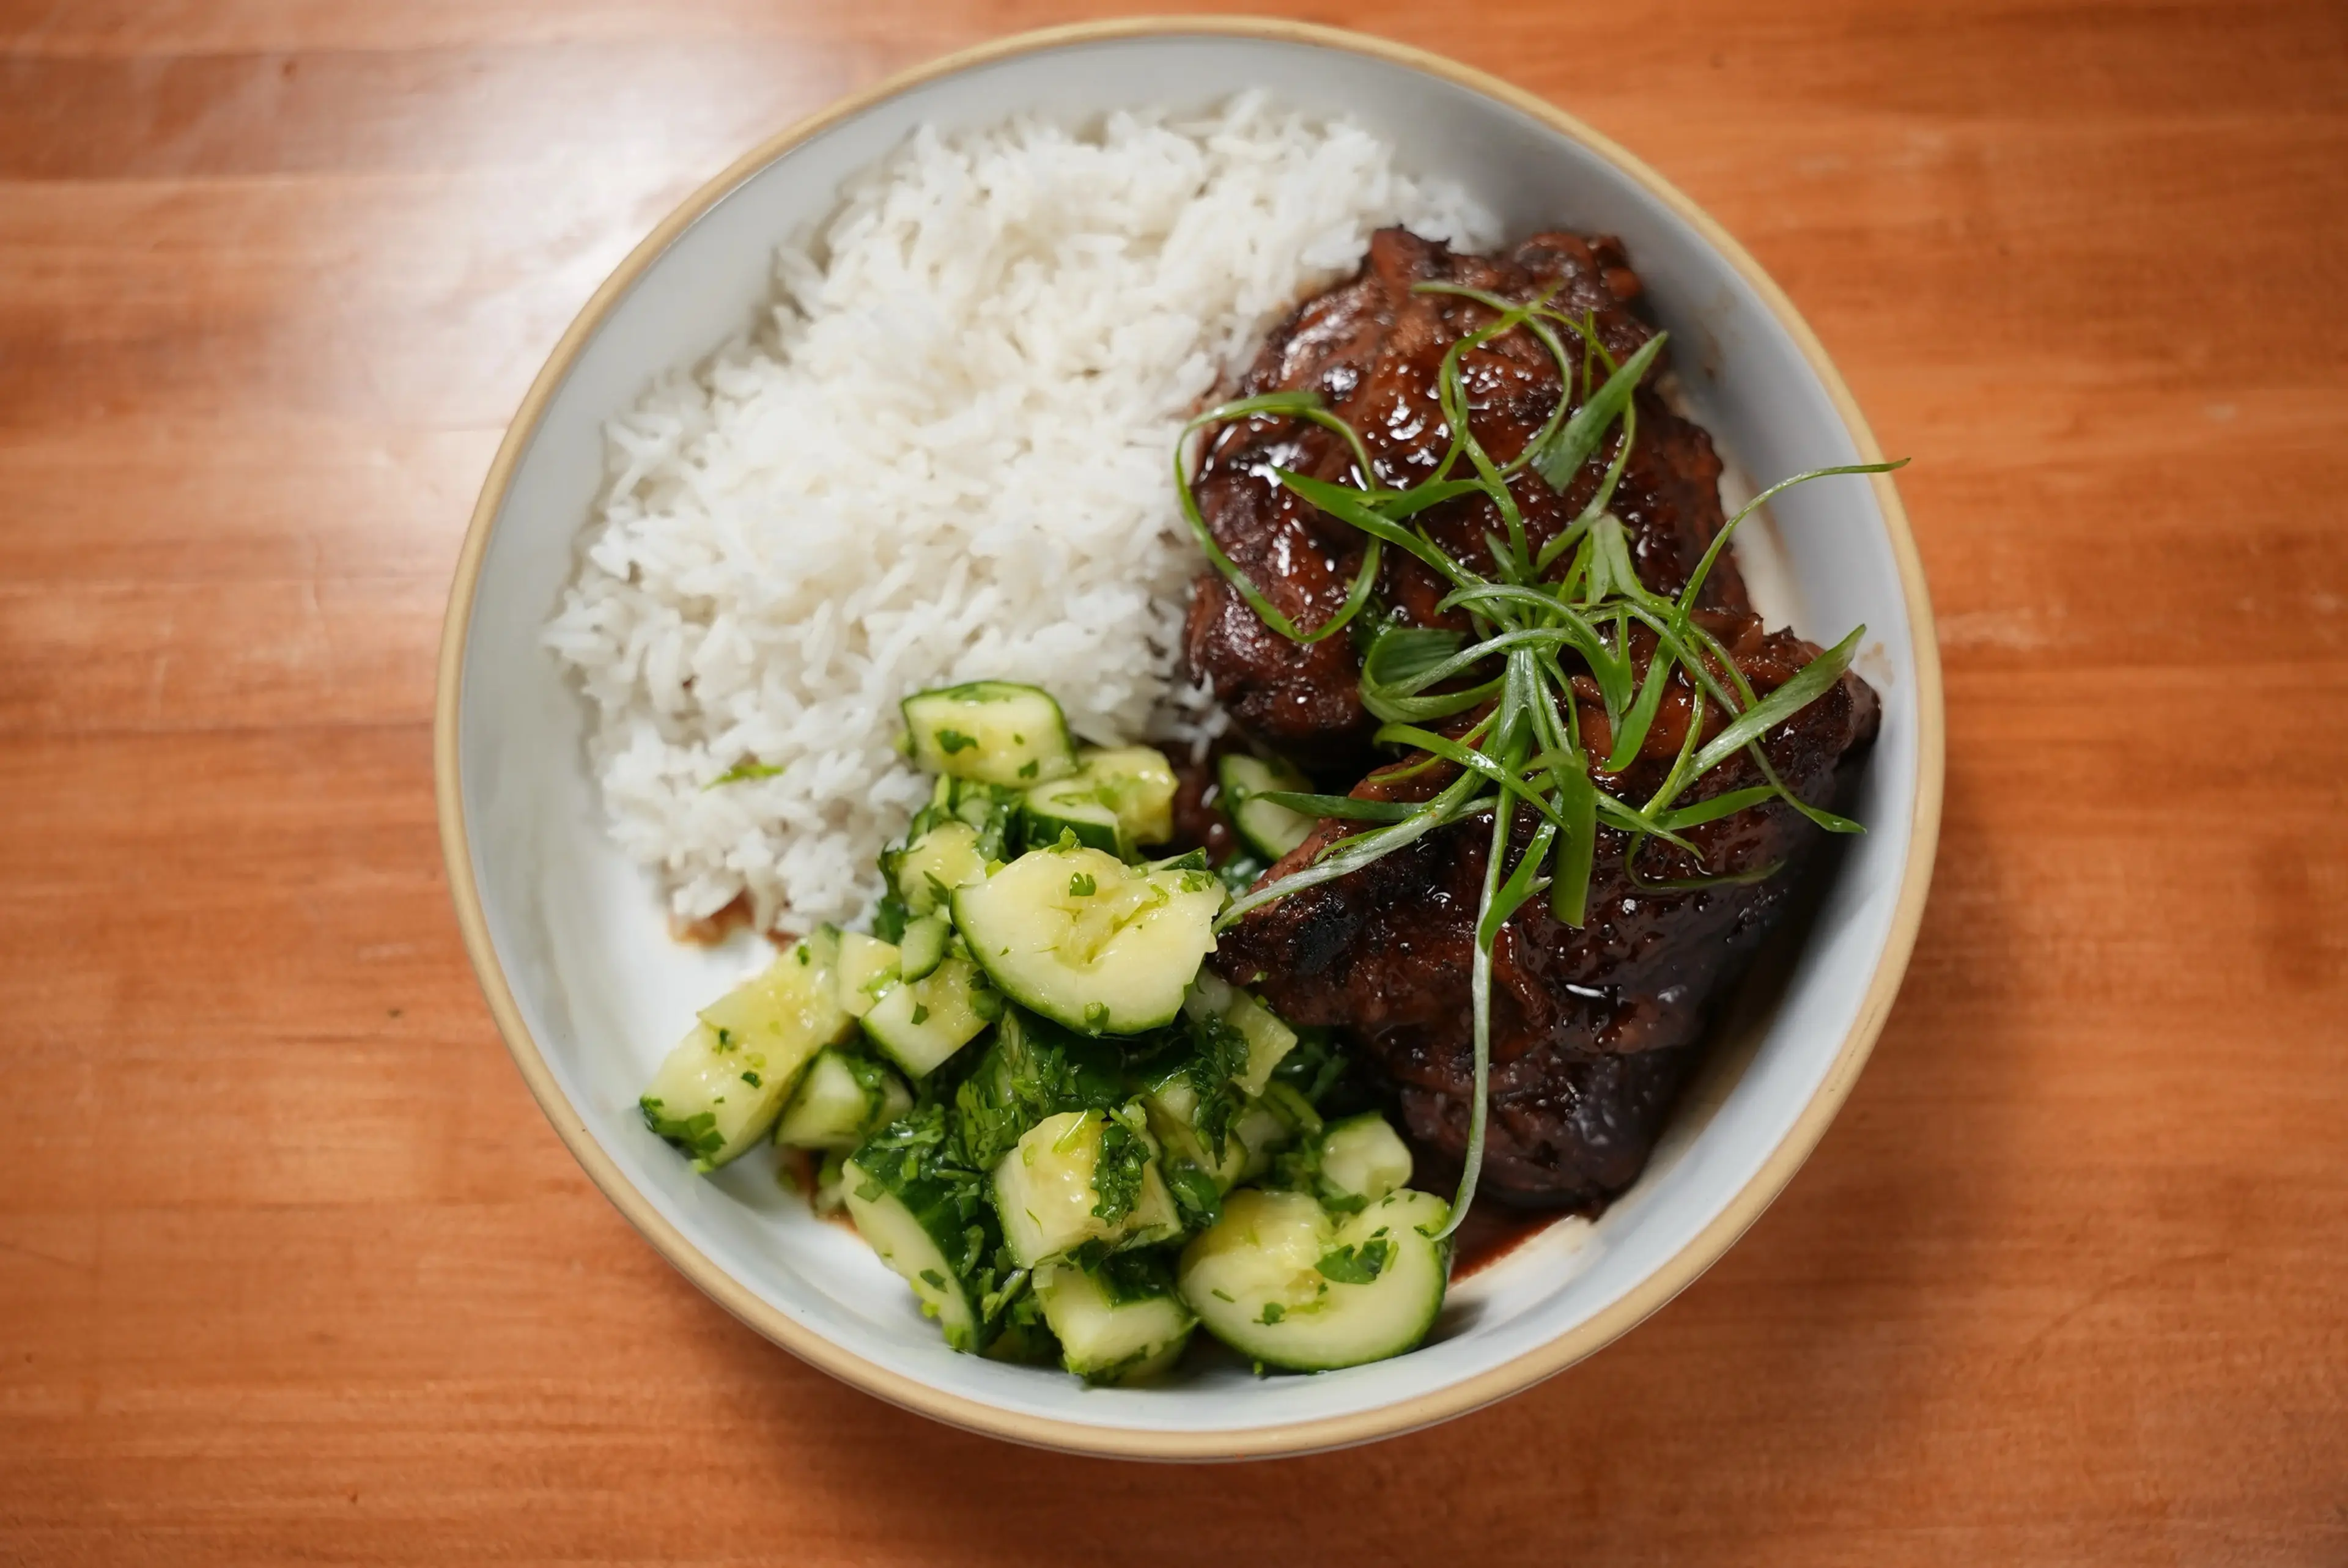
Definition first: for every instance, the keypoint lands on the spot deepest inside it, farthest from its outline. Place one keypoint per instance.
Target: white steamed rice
(947, 459)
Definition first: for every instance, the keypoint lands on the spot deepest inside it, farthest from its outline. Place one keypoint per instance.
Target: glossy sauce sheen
(1594, 1029)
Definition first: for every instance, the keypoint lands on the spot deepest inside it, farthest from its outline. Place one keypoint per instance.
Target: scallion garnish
(747, 768)
(1525, 751)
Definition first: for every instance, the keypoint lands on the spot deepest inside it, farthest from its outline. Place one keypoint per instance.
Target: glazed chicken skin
(1373, 349)
(1593, 1031)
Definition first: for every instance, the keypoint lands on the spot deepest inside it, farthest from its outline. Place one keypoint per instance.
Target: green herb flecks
(747, 768)
(1359, 1265)
(696, 1134)
(1540, 617)
(1117, 1171)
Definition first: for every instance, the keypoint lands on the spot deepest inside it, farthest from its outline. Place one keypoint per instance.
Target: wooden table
(292, 1267)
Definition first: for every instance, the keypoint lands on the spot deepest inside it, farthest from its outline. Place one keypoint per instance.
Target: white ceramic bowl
(570, 941)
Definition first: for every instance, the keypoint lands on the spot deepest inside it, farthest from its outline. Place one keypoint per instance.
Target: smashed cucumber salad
(1074, 1142)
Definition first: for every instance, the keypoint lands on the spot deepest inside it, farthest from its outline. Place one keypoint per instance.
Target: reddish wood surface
(291, 1268)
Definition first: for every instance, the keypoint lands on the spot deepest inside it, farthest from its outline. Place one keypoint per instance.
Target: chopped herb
(752, 1080)
(953, 741)
(921, 1013)
(1195, 1194)
(696, 1134)
(1356, 1265)
(1273, 1313)
(1117, 1171)
(748, 768)
(936, 1281)
(1082, 886)
(1029, 769)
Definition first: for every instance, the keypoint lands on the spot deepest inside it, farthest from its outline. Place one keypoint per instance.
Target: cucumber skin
(957, 988)
(979, 924)
(1271, 831)
(879, 1098)
(1288, 1344)
(1041, 824)
(928, 1206)
(702, 1098)
(923, 947)
(1036, 1174)
(1048, 754)
(1088, 1308)
(1362, 1159)
(1141, 781)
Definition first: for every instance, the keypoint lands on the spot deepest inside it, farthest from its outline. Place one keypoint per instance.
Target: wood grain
(292, 1270)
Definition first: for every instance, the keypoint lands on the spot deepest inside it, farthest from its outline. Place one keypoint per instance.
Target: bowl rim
(1318, 1433)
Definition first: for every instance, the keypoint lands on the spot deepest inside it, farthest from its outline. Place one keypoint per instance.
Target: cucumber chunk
(915, 1223)
(868, 966)
(1081, 1177)
(1362, 1160)
(1117, 801)
(842, 1099)
(923, 946)
(1279, 1282)
(1271, 831)
(721, 1089)
(1071, 808)
(926, 871)
(919, 1023)
(1121, 1321)
(1268, 1038)
(1087, 941)
(1250, 1139)
(990, 731)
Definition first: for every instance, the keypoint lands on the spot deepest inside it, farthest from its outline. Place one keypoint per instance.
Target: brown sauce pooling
(1489, 1234)
(712, 929)
(799, 1168)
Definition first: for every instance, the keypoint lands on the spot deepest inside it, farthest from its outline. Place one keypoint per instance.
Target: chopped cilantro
(1082, 886)
(1029, 769)
(696, 1134)
(1273, 1313)
(1117, 1171)
(1195, 1194)
(1356, 1265)
(937, 1281)
(753, 1080)
(953, 741)
(921, 1013)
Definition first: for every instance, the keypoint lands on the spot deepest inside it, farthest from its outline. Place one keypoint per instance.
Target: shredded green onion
(1527, 750)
